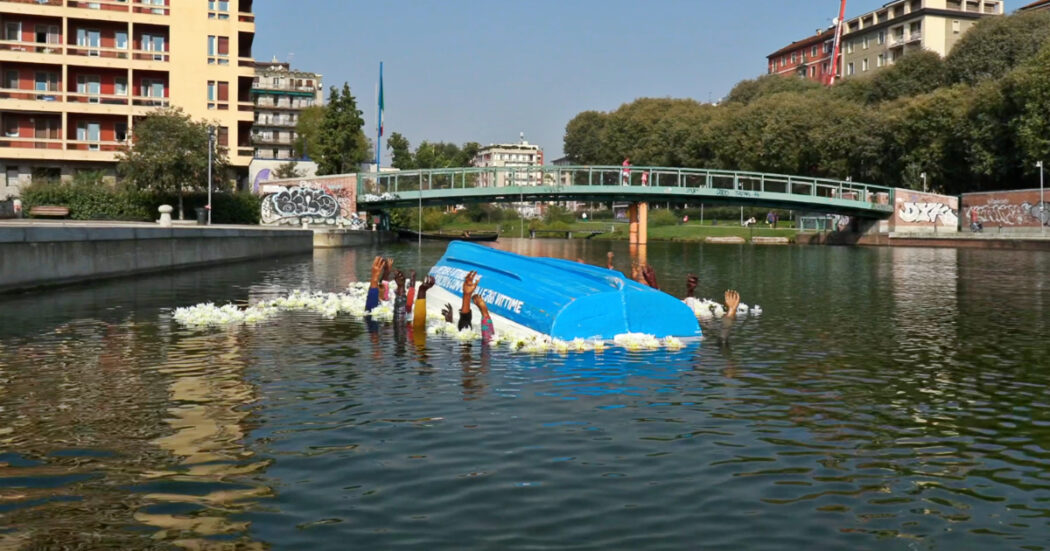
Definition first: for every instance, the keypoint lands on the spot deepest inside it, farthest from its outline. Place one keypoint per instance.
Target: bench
(46, 210)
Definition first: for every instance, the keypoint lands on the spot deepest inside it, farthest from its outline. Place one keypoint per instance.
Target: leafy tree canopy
(995, 45)
(341, 145)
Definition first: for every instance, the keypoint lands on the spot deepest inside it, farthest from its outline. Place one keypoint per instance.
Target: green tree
(1028, 91)
(915, 73)
(308, 132)
(585, 138)
(995, 45)
(169, 152)
(401, 152)
(341, 145)
(289, 170)
(748, 91)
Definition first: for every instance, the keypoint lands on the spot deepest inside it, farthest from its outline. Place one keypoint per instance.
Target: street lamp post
(1042, 202)
(923, 176)
(211, 146)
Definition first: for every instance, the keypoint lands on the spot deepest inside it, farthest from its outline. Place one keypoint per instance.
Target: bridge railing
(378, 185)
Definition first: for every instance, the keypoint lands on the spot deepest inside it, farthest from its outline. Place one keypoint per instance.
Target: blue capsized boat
(563, 299)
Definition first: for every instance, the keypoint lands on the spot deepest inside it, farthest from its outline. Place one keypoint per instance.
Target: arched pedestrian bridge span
(386, 190)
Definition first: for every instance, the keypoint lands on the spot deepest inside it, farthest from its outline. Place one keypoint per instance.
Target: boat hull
(414, 235)
(565, 300)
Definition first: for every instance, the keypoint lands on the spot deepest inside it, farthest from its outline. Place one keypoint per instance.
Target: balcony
(104, 5)
(16, 147)
(260, 139)
(245, 18)
(277, 123)
(30, 47)
(36, 2)
(97, 51)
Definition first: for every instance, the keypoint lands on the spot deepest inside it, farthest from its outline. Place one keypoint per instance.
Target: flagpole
(379, 117)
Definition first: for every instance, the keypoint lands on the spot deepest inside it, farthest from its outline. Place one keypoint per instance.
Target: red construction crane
(838, 43)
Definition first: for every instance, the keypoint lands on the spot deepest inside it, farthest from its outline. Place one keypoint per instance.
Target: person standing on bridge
(627, 171)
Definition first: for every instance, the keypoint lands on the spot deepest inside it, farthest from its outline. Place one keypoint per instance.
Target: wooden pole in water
(643, 223)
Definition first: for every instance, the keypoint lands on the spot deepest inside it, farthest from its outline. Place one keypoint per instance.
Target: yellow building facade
(76, 75)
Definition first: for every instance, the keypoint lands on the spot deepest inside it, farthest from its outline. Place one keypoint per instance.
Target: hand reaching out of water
(732, 301)
(649, 274)
(480, 303)
(470, 284)
(388, 264)
(691, 282)
(399, 278)
(377, 271)
(427, 283)
(447, 312)
(608, 260)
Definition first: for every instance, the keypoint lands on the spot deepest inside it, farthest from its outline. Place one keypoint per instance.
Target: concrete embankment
(37, 255)
(336, 238)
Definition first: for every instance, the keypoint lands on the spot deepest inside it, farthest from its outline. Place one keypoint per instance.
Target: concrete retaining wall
(334, 238)
(35, 256)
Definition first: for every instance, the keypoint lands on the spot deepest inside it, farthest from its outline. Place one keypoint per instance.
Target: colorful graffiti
(1001, 212)
(929, 213)
(1008, 209)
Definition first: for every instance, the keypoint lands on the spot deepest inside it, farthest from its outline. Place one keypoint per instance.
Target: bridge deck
(591, 183)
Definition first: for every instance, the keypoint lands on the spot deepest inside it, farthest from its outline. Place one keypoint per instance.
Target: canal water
(886, 398)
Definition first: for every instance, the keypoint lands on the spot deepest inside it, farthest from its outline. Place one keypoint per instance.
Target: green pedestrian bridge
(451, 186)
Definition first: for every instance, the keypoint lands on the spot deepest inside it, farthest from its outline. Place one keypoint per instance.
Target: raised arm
(419, 313)
(487, 329)
(470, 284)
(372, 300)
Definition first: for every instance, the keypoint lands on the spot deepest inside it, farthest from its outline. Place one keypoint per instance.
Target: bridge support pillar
(638, 215)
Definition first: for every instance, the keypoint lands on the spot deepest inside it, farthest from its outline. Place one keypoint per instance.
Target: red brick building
(807, 58)
(1038, 5)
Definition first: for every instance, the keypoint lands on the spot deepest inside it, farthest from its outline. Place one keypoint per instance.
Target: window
(10, 127)
(47, 34)
(812, 70)
(864, 64)
(153, 43)
(864, 43)
(11, 79)
(211, 91)
(47, 129)
(813, 51)
(90, 38)
(224, 45)
(849, 68)
(151, 88)
(882, 37)
(794, 58)
(46, 82)
(89, 132)
(224, 91)
(956, 26)
(13, 31)
(849, 46)
(90, 85)
(881, 60)
(121, 40)
(223, 137)
(120, 86)
(824, 68)
(120, 131)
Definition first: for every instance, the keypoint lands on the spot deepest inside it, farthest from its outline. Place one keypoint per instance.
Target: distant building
(807, 58)
(879, 38)
(280, 93)
(519, 155)
(78, 76)
(1039, 5)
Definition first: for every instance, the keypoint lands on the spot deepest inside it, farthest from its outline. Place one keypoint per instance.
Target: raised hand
(388, 265)
(732, 301)
(470, 283)
(412, 283)
(608, 260)
(691, 282)
(649, 274)
(377, 271)
(399, 278)
(447, 312)
(480, 303)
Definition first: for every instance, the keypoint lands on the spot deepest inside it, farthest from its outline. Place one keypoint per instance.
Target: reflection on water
(886, 398)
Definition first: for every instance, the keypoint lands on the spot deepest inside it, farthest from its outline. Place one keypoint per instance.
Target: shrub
(92, 201)
(662, 217)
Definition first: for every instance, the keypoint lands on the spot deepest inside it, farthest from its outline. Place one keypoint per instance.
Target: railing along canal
(390, 186)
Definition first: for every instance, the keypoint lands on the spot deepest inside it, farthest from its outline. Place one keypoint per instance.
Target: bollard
(165, 216)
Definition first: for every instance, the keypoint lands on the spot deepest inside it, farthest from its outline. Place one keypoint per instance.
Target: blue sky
(460, 70)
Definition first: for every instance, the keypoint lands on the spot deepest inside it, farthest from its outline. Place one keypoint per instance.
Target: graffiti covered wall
(1007, 209)
(916, 211)
(328, 200)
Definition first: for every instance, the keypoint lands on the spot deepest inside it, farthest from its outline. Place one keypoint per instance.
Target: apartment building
(1037, 5)
(807, 58)
(77, 75)
(280, 93)
(876, 39)
(519, 155)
